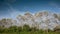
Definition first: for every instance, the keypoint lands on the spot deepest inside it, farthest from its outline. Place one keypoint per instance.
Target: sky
(12, 8)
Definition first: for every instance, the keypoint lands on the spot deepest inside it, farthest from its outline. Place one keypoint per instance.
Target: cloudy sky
(11, 8)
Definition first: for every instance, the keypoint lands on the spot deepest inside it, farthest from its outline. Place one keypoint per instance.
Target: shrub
(26, 28)
(13, 29)
(19, 29)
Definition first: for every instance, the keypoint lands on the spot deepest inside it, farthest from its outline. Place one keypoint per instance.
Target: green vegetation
(24, 30)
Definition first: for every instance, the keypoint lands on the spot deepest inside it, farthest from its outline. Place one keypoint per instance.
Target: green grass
(25, 30)
(35, 32)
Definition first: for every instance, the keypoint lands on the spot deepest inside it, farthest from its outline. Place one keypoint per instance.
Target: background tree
(1, 29)
(13, 29)
(26, 27)
(19, 29)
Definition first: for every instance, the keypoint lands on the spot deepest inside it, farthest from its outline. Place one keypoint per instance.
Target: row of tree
(17, 29)
(32, 22)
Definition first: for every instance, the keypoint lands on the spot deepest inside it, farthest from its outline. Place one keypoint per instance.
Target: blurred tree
(3, 22)
(57, 28)
(1, 29)
(26, 27)
(19, 29)
(59, 17)
(13, 29)
(55, 15)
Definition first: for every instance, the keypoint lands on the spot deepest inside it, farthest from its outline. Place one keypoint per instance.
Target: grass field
(25, 30)
(33, 32)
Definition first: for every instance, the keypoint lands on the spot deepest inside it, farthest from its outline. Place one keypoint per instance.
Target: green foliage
(1, 29)
(19, 29)
(6, 30)
(24, 30)
(13, 29)
(34, 29)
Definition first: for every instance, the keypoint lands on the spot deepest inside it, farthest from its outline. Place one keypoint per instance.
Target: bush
(19, 29)
(13, 29)
(26, 28)
(34, 29)
(1, 29)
